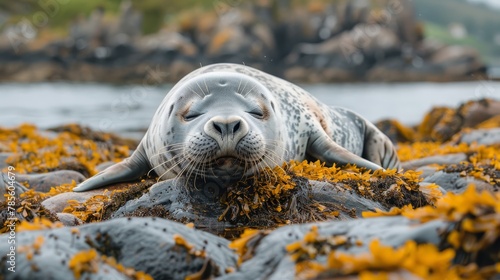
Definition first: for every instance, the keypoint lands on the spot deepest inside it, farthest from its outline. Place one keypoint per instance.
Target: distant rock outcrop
(350, 40)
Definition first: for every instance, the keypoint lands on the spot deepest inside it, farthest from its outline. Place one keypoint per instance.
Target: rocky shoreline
(350, 41)
(439, 218)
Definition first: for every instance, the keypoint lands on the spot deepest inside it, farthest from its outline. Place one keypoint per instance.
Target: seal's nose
(229, 129)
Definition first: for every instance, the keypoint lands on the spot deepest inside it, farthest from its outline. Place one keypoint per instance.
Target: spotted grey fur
(290, 125)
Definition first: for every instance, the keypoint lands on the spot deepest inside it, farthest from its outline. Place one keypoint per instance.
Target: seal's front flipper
(129, 169)
(325, 149)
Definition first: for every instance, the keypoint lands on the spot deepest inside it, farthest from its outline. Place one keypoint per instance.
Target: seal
(228, 121)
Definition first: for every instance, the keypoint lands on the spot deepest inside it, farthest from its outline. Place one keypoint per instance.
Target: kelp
(36, 152)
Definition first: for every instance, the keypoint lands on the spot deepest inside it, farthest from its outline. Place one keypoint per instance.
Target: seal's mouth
(227, 162)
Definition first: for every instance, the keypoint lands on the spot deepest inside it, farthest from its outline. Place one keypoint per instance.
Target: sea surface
(128, 110)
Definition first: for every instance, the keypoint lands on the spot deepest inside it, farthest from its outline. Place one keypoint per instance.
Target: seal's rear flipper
(325, 149)
(129, 169)
(379, 149)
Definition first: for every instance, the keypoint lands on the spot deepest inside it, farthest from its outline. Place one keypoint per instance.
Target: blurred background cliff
(303, 41)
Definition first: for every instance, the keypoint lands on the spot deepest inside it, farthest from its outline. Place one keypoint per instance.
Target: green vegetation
(440, 33)
(481, 22)
(61, 14)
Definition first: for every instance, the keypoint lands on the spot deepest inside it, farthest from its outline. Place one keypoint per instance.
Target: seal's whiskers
(180, 147)
(165, 162)
(193, 91)
(172, 167)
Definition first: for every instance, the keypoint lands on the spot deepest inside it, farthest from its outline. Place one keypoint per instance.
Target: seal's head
(222, 125)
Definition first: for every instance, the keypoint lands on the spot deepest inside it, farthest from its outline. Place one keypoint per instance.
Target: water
(128, 109)
(494, 72)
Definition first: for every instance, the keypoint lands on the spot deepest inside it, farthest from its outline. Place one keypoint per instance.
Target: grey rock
(203, 208)
(7, 186)
(145, 244)
(172, 196)
(271, 261)
(43, 182)
(481, 137)
(426, 171)
(427, 192)
(57, 203)
(3, 160)
(457, 61)
(68, 219)
(440, 159)
(325, 192)
(454, 182)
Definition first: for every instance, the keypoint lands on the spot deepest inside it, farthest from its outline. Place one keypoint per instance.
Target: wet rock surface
(3, 159)
(481, 137)
(43, 182)
(10, 187)
(441, 159)
(454, 182)
(68, 219)
(170, 199)
(271, 258)
(165, 249)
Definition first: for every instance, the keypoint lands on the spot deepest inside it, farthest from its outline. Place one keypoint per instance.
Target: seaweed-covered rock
(427, 170)
(425, 243)
(10, 186)
(73, 147)
(3, 159)
(118, 249)
(456, 238)
(396, 131)
(480, 136)
(171, 199)
(293, 193)
(58, 203)
(440, 159)
(43, 182)
(269, 256)
(87, 133)
(69, 220)
(95, 205)
(442, 123)
(298, 192)
(455, 182)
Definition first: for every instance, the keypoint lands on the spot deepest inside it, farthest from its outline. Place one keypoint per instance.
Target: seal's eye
(191, 116)
(257, 113)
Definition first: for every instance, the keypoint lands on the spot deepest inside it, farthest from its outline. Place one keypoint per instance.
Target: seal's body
(228, 121)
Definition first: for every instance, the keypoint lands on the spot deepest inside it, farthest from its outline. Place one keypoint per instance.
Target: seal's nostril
(217, 127)
(236, 127)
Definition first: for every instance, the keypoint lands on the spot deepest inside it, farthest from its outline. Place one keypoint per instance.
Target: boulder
(43, 182)
(163, 249)
(439, 159)
(7, 185)
(479, 136)
(456, 182)
(271, 260)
